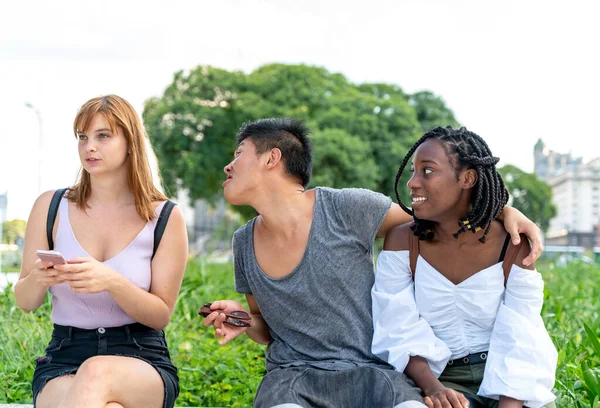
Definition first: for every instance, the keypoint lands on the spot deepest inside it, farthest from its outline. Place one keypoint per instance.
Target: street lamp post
(3, 204)
(39, 116)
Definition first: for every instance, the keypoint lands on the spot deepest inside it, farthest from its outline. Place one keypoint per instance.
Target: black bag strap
(52, 211)
(161, 224)
(509, 258)
(413, 251)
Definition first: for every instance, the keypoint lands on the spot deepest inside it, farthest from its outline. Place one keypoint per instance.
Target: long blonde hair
(119, 113)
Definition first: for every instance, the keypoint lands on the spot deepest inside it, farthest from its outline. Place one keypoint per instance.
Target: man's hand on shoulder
(516, 223)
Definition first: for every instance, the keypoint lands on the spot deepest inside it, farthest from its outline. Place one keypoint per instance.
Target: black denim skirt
(69, 347)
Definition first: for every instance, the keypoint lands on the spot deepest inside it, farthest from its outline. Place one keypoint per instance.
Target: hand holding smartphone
(51, 256)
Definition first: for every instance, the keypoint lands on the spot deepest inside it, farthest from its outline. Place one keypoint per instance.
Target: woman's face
(101, 150)
(437, 191)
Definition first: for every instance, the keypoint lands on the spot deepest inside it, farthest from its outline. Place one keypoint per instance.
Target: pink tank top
(91, 311)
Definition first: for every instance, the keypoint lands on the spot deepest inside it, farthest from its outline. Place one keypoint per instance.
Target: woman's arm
(35, 277)
(436, 394)
(521, 361)
(507, 402)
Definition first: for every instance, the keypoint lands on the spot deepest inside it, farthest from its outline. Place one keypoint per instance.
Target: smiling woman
(458, 159)
(116, 294)
(480, 334)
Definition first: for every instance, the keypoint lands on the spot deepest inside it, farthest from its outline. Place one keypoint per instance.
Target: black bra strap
(161, 224)
(52, 211)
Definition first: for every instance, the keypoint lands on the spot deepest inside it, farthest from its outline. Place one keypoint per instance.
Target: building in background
(548, 163)
(576, 195)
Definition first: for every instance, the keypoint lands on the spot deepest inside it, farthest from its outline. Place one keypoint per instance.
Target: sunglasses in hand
(237, 318)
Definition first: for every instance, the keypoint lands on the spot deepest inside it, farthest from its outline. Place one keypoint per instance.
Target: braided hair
(466, 150)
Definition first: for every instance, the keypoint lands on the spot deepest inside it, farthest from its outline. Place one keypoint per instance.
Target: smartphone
(51, 256)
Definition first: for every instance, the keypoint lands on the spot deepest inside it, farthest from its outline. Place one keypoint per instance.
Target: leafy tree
(387, 125)
(191, 128)
(11, 230)
(193, 124)
(432, 111)
(335, 161)
(529, 195)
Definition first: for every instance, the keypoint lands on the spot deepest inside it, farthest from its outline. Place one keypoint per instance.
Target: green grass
(572, 316)
(211, 375)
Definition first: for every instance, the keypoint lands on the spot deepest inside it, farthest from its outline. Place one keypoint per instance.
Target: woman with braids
(454, 306)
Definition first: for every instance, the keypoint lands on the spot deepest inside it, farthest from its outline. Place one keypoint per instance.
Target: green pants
(467, 379)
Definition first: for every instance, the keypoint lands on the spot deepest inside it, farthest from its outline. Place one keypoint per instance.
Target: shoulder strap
(509, 257)
(413, 251)
(161, 224)
(52, 211)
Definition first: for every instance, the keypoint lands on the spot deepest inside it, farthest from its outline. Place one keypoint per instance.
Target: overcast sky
(512, 71)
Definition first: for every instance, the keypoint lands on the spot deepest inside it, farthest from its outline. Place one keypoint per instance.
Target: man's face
(243, 174)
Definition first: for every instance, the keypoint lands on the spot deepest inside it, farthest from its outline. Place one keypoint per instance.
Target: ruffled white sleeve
(399, 331)
(521, 362)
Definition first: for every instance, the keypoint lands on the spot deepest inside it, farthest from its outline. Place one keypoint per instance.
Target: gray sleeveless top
(320, 314)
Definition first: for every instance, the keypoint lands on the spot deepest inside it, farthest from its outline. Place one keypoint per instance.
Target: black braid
(466, 150)
(401, 169)
(421, 228)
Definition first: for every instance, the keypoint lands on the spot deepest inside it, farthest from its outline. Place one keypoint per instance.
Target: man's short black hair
(290, 136)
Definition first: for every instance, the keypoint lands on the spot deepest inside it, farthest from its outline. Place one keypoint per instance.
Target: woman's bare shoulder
(397, 239)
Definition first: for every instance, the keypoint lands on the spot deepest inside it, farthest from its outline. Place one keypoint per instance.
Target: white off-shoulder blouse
(440, 321)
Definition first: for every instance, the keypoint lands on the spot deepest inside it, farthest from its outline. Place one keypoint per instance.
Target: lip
(229, 178)
(92, 160)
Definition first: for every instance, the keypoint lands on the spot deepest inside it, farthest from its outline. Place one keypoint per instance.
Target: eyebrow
(426, 161)
(97, 130)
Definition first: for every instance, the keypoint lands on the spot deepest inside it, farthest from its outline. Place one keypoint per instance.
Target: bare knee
(104, 380)
(94, 372)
